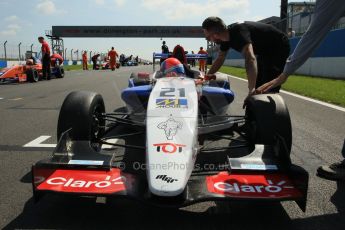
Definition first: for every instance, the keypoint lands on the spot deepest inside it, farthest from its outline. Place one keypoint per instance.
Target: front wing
(77, 169)
(251, 185)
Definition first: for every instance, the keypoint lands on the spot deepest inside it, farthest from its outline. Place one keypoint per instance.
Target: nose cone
(171, 132)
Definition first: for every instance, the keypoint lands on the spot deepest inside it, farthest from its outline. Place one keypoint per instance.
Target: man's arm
(326, 14)
(251, 66)
(218, 62)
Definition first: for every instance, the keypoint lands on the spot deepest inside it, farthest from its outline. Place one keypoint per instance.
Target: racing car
(173, 144)
(106, 65)
(31, 71)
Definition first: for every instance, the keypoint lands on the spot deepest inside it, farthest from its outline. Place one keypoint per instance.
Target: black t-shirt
(266, 39)
(165, 49)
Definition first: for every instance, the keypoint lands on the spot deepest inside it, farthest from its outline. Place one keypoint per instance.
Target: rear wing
(188, 56)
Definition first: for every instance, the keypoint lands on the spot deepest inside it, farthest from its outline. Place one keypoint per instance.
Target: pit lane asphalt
(30, 110)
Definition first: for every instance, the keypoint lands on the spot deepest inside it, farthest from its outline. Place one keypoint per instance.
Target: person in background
(180, 55)
(165, 50)
(326, 14)
(45, 49)
(202, 62)
(94, 61)
(85, 67)
(56, 60)
(192, 62)
(112, 54)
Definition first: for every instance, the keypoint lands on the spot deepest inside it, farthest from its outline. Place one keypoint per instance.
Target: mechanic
(45, 58)
(112, 58)
(192, 62)
(326, 14)
(180, 55)
(165, 50)
(264, 48)
(94, 61)
(84, 56)
(202, 62)
(56, 60)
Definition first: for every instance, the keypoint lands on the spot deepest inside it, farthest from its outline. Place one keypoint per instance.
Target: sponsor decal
(252, 186)
(166, 178)
(80, 181)
(171, 103)
(170, 127)
(169, 147)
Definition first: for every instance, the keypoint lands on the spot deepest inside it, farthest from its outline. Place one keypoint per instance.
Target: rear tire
(268, 120)
(81, 111)
(60, 72)
(32, 75)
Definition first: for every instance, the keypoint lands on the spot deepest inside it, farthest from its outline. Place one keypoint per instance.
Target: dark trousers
(46, 66)
(94, 62)
(270, 66)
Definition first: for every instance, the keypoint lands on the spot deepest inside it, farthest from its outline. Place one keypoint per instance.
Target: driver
(172, 67)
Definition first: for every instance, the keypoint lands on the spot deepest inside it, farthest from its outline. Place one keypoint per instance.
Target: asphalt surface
(30, 110)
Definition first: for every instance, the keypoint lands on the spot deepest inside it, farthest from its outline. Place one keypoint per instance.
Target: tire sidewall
(77, 113)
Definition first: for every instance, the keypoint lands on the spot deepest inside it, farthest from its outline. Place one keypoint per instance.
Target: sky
(23, 21)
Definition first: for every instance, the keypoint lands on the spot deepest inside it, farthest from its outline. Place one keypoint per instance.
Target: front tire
(82, 111)
(268, 121)
(32, 75)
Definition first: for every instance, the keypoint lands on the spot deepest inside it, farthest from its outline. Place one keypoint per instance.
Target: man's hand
(208, 77)
(271, 84)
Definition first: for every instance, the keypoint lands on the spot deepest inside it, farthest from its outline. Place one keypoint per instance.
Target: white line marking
(315, 101)
(16, 99)
(342, 109)
(37, 143)
(1, 98)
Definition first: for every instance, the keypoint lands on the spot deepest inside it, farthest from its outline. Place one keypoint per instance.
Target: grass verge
(324, 89)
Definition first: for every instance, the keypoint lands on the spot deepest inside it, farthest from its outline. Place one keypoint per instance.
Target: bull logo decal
(170, 127)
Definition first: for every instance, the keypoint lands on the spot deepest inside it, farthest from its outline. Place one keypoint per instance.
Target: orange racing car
(31, 71)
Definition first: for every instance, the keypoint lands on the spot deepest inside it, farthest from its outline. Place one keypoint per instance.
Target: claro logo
(107, 182)
(244, 188)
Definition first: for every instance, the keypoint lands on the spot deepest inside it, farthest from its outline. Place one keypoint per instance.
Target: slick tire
(60, 72)
(82, 111)
(32, 75)
(268, 121)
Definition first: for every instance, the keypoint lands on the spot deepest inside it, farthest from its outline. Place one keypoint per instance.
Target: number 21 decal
(170, 92)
